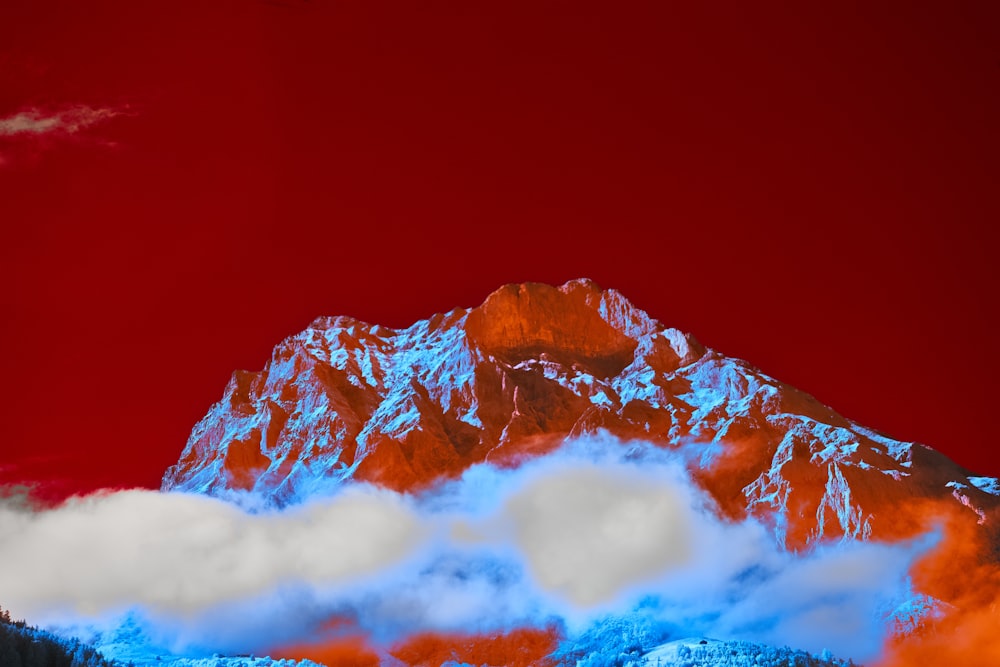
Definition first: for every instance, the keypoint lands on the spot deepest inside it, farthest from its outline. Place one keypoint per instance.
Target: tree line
(22, 645)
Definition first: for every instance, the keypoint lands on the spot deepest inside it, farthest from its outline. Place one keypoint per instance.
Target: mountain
(535, 364)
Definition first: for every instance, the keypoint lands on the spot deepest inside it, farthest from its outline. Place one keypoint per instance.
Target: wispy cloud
(70, 120)
(29, 133)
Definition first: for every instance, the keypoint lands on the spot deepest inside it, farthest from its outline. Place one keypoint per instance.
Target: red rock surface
(534, 364)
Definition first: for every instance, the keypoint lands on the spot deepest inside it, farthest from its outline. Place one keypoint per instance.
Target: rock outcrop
(533, 365)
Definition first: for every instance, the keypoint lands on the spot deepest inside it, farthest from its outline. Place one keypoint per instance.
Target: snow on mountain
(531, 366)
(703, 652)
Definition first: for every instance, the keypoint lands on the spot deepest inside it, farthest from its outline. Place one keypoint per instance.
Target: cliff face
(532, 365)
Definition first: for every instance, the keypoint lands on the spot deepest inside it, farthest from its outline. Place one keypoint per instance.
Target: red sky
(811, 188)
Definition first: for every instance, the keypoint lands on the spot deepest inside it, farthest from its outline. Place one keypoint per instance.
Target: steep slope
(534, 364)
(699, 652)
(22, 645)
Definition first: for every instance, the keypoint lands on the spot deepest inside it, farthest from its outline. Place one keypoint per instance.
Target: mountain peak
(531, 366)
(527, 320)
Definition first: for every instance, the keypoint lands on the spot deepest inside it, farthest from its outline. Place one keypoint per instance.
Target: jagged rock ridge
(530, 366)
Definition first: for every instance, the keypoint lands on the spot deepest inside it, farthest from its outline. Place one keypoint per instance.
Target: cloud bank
(598, 529)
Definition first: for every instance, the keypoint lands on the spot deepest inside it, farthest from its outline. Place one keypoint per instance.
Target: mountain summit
(533, 365)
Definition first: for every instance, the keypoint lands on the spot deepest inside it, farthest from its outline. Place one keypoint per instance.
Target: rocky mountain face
(533, 365)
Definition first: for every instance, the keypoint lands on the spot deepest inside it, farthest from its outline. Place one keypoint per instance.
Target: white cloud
(182, 553)
(587, 533)
(590, 530)
(70, 120)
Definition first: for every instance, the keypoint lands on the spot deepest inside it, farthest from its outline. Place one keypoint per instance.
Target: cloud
(180, 553)
(70, 120)
(29, 133)
(603, 529)
(598, 529)
(588, 534)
